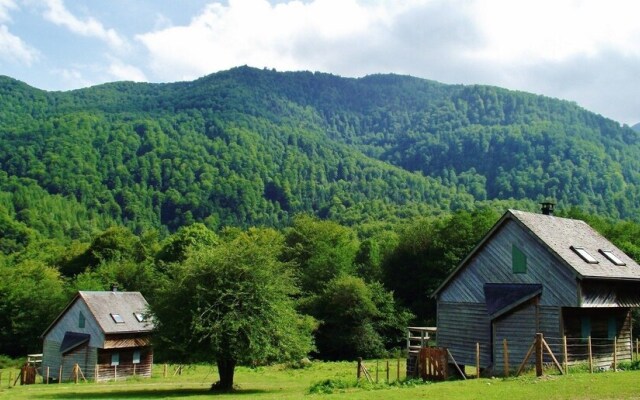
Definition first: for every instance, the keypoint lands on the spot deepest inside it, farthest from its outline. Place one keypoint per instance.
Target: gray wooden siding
(69, 323)
(460, 327)
(51, 358)
(519, 328)
(602, 345)
(85, 356)
(492, 264)
(126, 368)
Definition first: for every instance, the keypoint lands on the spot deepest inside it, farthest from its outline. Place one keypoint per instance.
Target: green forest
(352, 184)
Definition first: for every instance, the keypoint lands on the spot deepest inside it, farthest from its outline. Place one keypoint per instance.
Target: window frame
(612, 257)
(117, 318)
(584, 255)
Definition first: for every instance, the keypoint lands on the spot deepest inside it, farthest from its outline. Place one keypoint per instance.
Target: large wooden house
(539, 273)
(106, 334)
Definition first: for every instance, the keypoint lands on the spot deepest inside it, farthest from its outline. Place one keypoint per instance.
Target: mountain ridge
(254, 147)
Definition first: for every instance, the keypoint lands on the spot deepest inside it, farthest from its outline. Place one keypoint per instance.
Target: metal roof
(558, 235)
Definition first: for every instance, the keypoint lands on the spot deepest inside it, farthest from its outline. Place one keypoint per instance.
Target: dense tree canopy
(232, 303)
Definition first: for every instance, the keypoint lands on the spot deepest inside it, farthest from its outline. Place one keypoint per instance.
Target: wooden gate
(28, 375)
(433, 363)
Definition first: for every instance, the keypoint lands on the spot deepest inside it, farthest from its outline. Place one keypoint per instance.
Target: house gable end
(492, 263)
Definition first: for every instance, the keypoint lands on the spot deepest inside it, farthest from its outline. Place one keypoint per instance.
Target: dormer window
(139, 316)
(612, 257)
(117, 318)
(588, 258)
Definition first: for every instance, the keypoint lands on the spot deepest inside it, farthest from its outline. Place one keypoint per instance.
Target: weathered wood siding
(460, 327)
(85, 356)
(519, 328)
(602, 344)
(69, 322)
(492, 264)
(126, 367)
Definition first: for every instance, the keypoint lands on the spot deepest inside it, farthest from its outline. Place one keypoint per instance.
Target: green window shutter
(613, 327)
(518, 260)
(81, 320)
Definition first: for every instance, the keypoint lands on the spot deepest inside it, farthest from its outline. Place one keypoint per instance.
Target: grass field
(335, 381)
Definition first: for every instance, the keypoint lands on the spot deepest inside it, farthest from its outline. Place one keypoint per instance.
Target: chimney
(114, 287)
(547, 208)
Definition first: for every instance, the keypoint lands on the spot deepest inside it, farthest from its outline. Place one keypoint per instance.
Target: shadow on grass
(149, 394)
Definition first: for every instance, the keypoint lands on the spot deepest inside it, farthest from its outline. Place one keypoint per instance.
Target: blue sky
(587, 51)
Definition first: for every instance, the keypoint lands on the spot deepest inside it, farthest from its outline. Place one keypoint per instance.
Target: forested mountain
(377, 187)
(254, 147)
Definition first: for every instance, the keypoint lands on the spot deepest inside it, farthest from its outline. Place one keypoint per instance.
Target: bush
(629, 365)
(328, 386)
(8, 362)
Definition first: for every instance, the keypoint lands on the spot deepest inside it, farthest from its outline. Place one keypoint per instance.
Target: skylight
(584, 255)
(139, 316)
(612, 257)
(117, 318)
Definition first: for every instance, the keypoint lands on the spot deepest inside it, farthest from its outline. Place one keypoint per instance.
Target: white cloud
(58, 14)
(258, 33)
(5, 6)
(124, 72)
(555, 30)
(14, 49)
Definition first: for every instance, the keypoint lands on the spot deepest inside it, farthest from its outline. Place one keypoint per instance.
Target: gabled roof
(125, 304)
(103, 305)
(558, 235)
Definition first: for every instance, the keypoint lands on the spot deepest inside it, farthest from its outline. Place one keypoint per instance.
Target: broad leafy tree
(232, 303)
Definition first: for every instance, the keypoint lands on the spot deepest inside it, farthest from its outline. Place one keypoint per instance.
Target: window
(81, 320)
(115, 359)
(117, 318)
(139, 316)
(518, 260)
(611, 257)
(136, 357)
(584, 255)
(612, 328)
(585, 323)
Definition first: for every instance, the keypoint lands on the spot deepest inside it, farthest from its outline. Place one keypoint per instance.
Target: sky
(586, 51)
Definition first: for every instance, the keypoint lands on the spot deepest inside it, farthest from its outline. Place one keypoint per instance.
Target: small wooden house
(539, 273)
(106, 334)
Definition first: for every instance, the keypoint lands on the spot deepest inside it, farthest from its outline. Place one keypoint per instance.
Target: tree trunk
(226, 368)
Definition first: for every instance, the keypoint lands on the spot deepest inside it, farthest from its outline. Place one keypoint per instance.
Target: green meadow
(334, 380)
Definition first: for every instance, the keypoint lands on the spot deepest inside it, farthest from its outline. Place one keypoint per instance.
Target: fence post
(478, 360)
(10, 379)
(75, 373)
(96, 372)
(359, 368)
(0, 378)
(590, 354)
(164, 371)
(60, 374)
(565, 354)
(615, 354)
(539, 354)
(47, 380)
(398, 371)
(637, 348)
(376, 371)
(505, 354)
(387, 371)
